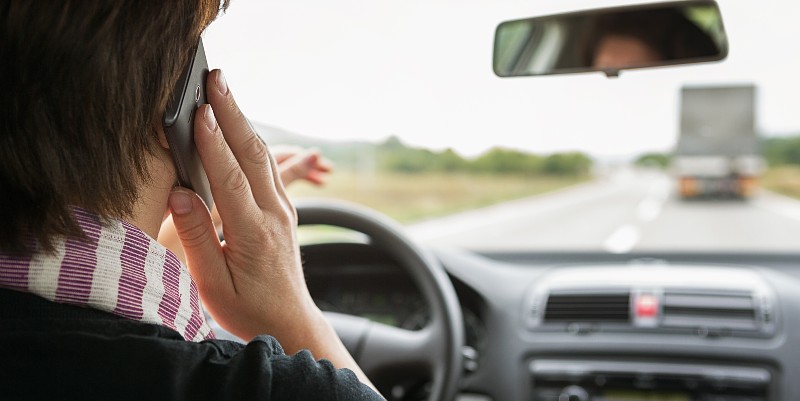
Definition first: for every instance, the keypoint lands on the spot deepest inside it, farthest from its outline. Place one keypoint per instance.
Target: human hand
(296, 163)
(251, 283)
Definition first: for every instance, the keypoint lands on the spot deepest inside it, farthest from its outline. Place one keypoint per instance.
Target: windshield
(402, 98)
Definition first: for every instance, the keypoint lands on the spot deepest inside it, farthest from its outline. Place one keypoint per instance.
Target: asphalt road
(624, 212)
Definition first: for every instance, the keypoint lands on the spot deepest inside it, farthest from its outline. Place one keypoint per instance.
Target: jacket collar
(118, 269)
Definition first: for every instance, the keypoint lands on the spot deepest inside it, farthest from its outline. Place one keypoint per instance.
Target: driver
(93, 307)
(646, 37)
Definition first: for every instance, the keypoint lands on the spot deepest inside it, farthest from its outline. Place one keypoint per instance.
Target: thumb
(199, 239)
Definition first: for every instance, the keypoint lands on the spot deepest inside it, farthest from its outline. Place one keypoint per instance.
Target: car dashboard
(593, 326)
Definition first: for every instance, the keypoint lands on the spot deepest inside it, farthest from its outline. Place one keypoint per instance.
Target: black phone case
(178, 123)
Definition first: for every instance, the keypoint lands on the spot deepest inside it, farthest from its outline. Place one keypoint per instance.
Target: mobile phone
(178, 122)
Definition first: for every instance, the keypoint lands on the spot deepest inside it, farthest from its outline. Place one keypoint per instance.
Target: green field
(412, 197)
(783, 179)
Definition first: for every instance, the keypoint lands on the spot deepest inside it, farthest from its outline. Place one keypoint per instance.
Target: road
(627, 211)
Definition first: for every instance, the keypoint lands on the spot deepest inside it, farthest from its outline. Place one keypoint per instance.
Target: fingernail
(211, 121)
(222, 85)
(180, 203)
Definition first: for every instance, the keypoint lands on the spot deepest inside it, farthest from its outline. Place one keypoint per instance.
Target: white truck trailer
(718, 151)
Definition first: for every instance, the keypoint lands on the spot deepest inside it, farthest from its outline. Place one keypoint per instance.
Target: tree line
(781, 151)
(395, 156)
(776, 151)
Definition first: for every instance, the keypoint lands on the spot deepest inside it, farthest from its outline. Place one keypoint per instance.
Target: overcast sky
(421, 69)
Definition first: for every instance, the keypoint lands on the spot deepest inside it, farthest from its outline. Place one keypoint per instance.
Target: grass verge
(413, 197)
(783, 179)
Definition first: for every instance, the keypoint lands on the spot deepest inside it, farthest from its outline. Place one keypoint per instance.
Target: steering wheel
(377, 347)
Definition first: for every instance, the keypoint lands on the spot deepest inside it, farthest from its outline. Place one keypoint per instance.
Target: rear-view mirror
(611, 39)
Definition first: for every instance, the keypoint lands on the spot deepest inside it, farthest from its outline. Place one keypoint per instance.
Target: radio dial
(573, 393)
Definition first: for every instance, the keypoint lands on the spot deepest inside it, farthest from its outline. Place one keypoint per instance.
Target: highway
(627, 211)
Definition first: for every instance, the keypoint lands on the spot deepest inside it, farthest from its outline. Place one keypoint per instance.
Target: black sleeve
(123, 360)
(261, 370)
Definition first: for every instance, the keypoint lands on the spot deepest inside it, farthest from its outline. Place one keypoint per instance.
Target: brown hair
(84, 83)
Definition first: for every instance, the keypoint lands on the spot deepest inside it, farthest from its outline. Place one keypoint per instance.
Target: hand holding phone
(178, 122)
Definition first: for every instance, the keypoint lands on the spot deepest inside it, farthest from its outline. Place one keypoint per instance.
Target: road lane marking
(649, 209)
(623, 240)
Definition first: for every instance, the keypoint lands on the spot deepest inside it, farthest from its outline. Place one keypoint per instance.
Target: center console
(607, 380)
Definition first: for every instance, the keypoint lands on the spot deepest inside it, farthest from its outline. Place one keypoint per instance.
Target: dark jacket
(51, 351)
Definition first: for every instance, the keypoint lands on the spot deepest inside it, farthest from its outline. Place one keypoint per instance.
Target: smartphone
(178, 122)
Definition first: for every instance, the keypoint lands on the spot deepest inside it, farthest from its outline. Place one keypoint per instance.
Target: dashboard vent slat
(735, 311)
(587, 308)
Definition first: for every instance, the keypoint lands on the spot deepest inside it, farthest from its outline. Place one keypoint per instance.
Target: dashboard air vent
(577, 307)
(734, 311)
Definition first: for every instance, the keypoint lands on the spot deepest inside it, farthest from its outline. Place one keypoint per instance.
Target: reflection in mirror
(611, 40)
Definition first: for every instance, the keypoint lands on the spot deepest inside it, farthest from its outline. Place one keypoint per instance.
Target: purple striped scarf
(118, 269)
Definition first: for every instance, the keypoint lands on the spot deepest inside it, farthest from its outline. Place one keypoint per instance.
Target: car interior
(430, 320)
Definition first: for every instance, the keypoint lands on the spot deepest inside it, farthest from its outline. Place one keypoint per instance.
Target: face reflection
(617, 51)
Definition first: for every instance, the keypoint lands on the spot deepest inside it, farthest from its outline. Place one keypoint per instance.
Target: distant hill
(277, 135)
(346, 154)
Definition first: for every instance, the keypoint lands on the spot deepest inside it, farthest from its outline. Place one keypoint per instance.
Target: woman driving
(93, 307)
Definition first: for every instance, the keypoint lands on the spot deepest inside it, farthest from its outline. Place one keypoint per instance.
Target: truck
(717, 153)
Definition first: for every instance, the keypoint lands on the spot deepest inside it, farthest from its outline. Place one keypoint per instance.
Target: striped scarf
(118, 269)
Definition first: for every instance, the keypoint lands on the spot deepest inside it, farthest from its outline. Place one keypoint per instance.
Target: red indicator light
(647, 305)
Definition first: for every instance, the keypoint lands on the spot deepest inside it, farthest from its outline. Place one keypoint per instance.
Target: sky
(421, 70)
